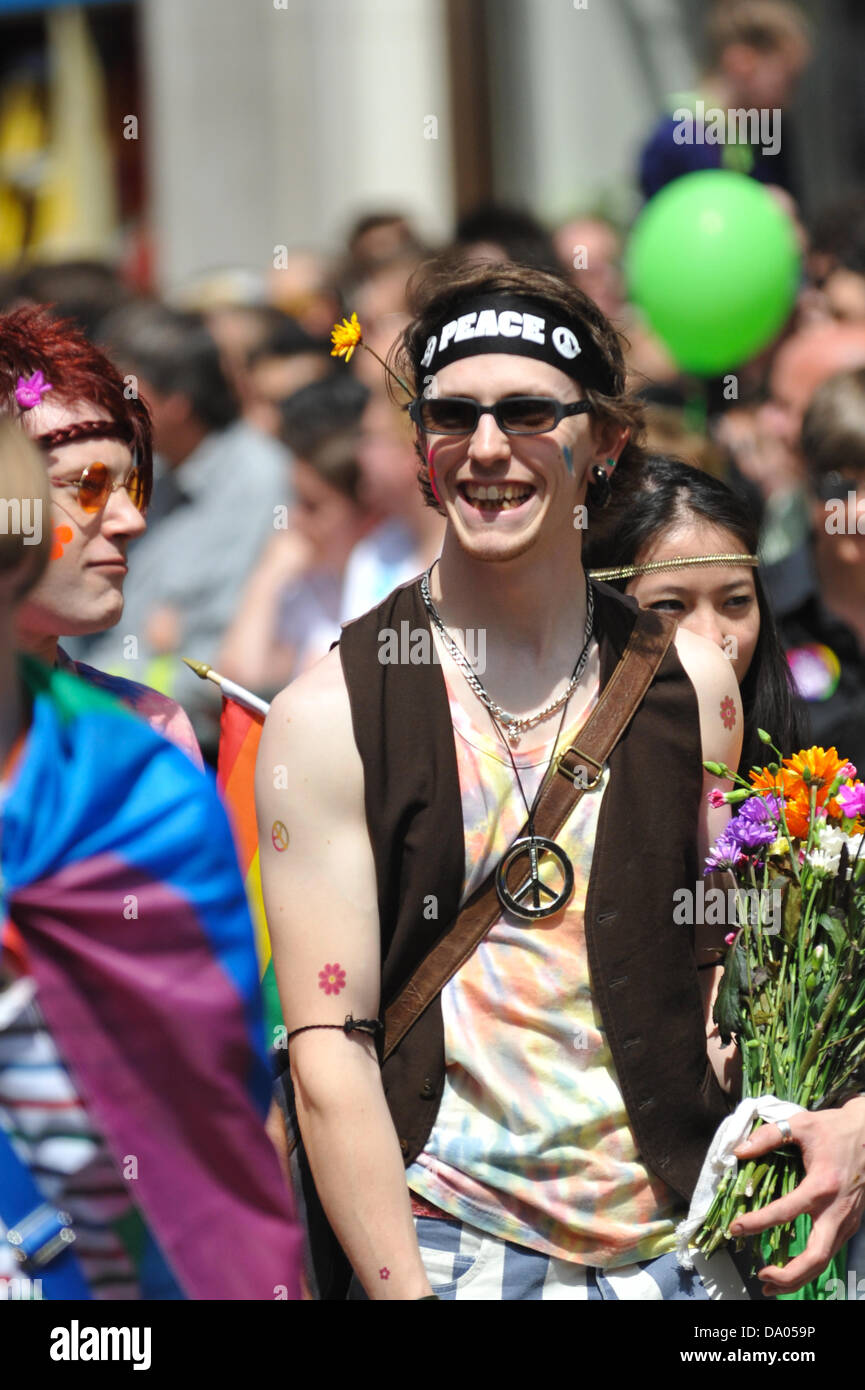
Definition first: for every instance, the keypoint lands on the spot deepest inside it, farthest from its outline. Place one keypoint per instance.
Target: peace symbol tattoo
(525, 902)
(279, 836)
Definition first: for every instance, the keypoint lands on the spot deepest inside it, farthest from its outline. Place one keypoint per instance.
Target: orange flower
(798, 813)
(766, 781)
(822, 769)
(345, 337)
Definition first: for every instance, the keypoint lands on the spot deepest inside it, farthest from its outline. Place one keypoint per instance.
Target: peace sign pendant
(526, 901)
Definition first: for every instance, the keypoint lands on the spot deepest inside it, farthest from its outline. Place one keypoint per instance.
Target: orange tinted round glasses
(96, 485)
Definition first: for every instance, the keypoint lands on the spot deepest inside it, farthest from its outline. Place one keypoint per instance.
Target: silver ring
(786, 1131)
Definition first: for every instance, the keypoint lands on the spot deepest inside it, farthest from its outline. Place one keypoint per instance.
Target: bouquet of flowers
(793, 988)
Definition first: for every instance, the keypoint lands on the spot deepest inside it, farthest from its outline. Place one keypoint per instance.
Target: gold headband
(631, 571)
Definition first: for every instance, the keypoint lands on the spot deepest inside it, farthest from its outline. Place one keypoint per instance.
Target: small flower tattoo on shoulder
(331, 979)
(728, 712)
(384, 1272)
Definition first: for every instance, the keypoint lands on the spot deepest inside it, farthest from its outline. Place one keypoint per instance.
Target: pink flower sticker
(31, 389)
(331, 979)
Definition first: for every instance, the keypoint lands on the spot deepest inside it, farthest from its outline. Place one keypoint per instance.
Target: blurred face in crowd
(300, 287)
(838, 523)
(505, 493)
(236, 332)
(843, 295)
(764, 79)
(387, 459)
(716, 601)
(81, 591)
(271, 380)
(590, 251)
(329, 520)
(802, 364)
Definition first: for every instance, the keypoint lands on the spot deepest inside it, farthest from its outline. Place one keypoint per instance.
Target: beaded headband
(631, 571)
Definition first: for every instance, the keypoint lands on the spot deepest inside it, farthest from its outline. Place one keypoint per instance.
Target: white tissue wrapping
(729, 1134)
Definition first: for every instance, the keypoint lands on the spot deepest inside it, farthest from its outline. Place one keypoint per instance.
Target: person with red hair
(96, 437)
(134, 1160)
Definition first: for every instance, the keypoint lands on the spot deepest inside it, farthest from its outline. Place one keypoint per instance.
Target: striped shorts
(464, 1263)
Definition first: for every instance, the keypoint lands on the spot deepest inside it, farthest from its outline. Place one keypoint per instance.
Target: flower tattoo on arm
(728, 712)
(331, 979)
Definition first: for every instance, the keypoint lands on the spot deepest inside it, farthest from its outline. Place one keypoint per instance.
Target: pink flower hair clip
(31, 389)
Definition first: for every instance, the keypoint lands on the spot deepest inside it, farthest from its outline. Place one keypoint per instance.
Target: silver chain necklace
(514, 725)
(534, 851)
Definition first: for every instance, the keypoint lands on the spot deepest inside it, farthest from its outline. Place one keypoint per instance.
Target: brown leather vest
(641, 962)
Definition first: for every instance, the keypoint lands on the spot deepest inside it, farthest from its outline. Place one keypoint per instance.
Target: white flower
(829, 837)
(854, 847)
(822, 862)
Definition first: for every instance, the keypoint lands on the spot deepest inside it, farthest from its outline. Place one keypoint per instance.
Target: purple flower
(749, 833)
(725, 853)
(761, 810)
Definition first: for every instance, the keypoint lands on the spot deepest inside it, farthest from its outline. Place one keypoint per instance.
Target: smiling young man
(545, 1099)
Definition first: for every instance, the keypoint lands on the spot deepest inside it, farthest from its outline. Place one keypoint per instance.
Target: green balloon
(713, 263)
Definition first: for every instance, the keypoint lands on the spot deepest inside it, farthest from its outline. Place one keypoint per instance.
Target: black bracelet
(372, 1026)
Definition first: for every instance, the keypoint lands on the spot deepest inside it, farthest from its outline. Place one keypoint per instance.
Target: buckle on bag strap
(38, 1238)
(577, 773)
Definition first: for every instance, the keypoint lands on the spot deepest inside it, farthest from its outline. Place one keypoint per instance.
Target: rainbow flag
(239, 737)
(120, 876)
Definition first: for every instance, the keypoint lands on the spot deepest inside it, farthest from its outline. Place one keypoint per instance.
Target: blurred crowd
(285, 498)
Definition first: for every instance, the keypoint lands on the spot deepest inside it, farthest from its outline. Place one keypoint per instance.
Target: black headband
(523, 326)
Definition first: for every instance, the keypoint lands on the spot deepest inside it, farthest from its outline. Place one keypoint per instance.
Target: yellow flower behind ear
(345, 337)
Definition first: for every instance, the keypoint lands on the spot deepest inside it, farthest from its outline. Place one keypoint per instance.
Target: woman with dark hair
(683, 543)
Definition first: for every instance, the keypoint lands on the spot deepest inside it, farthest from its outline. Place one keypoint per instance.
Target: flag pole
(230, 689)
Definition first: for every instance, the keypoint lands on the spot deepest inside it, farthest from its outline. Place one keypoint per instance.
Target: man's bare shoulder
(317, 695)
(309, 728)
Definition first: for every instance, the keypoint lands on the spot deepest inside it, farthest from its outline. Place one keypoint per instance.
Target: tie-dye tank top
(532, 1142)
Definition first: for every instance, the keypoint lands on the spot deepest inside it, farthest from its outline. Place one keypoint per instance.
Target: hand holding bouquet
(793, 988)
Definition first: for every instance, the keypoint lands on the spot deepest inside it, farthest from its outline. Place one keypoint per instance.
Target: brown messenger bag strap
(566, 783)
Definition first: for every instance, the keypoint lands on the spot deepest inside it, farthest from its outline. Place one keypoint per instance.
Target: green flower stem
(817, 1038)
(812, 818)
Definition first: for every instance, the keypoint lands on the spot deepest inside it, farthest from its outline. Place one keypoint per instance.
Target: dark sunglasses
(514, 415)
(96, 485)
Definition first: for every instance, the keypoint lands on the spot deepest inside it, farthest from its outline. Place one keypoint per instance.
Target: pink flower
(31, 389)
(852, 800)
(331, 979)
(716, 798)
(730, 938)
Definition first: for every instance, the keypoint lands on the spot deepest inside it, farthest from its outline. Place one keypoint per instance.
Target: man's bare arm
(319, 882)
